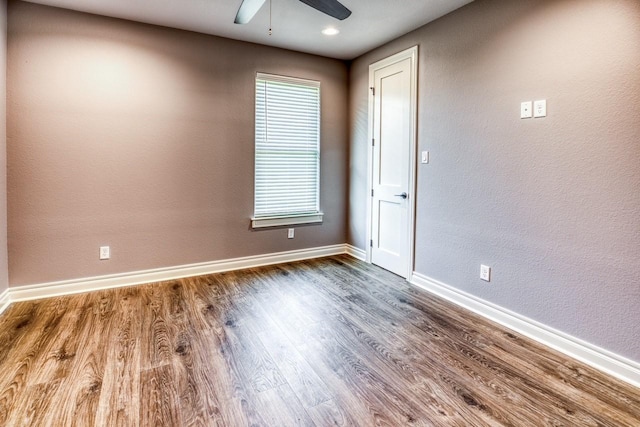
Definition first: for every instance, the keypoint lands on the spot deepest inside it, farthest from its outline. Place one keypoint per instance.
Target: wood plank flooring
(327, 342)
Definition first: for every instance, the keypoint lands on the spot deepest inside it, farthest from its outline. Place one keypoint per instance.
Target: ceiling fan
(333, 8)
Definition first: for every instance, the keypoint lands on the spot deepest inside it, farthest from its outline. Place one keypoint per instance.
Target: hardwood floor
(325, 342)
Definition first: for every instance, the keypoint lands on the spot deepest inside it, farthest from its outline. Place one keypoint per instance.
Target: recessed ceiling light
(330, 31)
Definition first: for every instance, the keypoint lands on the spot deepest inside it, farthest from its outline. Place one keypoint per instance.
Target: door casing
(411, 53)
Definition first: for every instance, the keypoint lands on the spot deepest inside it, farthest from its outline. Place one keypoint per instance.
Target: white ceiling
(295, 25)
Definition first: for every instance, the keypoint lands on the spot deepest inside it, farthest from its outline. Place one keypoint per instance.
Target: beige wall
(4, 281)
(141, 138)
(553, 205)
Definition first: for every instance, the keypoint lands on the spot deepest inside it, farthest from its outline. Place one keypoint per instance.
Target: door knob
(403, 195)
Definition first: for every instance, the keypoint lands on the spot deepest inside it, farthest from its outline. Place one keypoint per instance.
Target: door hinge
(371, 192)
(373, 142)
(371, 243)
(373, 91)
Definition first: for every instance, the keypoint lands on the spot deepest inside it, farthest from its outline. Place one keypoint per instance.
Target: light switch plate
(540, 108)
(526, 110)
(425, 157)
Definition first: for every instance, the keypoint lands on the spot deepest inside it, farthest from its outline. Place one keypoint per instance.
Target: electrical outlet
(291, 233)
(540, 108)
(485, 273)
(105, 252)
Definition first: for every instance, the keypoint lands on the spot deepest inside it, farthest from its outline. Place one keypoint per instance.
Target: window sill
(281, 221)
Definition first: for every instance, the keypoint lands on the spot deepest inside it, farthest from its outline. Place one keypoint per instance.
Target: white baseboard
(67, 287)
(601, 359)
(357, 253)
(4, 300)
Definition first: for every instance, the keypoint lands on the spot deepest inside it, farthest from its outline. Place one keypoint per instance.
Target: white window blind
(287, 156)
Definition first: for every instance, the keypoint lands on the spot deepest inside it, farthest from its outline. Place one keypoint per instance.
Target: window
(287, 159)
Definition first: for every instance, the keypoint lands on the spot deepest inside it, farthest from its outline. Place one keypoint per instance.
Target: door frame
(412, 54)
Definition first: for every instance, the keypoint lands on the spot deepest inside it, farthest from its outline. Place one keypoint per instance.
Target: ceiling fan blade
(330, 7)
(247, 10)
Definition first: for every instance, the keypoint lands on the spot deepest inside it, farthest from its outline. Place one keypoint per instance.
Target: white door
(393, 156)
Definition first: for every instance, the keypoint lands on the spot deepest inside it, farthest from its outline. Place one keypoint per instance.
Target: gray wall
(4, 275)
(553, 205)
(141, 138)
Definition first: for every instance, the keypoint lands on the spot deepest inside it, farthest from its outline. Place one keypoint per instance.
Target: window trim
(281, 220)
(284, 220)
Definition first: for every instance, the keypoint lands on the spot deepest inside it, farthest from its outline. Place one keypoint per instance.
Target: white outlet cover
(540, 108)
(291, 233)
(526, 110)
(105, 252)
(485, 273)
